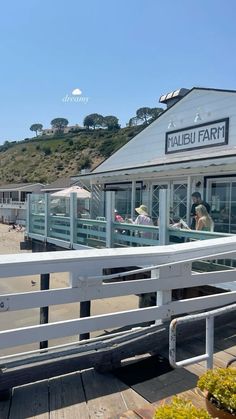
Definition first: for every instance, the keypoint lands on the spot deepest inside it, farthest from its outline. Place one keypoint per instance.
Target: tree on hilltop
(134, 121)
(36, 128)
(144, 114)
(111, 122)
(147, 114)
(59, 123)
(155, 112)
(94, 120)
(88, 121)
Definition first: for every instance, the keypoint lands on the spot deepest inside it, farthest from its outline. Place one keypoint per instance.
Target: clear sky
(122, 55)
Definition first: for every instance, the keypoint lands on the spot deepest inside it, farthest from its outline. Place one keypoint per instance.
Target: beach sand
(9, 244)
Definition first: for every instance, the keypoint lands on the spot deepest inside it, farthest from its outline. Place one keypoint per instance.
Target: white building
(190, 147)
(13, 199)
(65, 130)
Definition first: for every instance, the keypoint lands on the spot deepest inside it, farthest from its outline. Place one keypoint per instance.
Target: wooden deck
(90, 394)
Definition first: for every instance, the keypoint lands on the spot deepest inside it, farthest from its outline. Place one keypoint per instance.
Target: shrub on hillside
(84, 163)
(47, 151)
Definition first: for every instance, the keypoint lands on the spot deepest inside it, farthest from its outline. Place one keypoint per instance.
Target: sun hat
(142, 210)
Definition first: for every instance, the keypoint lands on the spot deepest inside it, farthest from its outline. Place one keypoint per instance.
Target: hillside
(47, 158)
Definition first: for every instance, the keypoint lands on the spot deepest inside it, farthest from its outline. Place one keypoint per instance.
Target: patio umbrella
(81, 192)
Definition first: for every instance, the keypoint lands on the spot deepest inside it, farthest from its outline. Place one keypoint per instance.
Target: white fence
(69, 231)
(170, 267)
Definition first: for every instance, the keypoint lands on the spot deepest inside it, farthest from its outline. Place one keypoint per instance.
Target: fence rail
(68, 230)
(170, 268)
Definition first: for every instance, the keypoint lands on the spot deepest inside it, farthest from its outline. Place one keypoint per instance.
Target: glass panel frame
(221, 193)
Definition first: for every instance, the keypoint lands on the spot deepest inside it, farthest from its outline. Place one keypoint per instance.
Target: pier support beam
(44, 311)
(44, 285)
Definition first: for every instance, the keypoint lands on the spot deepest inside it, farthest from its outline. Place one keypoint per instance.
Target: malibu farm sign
(211, 134)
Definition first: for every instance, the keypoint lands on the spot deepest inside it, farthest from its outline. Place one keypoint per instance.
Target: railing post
(133, 194)
(165, 296)
(73, 218)
(110, 207)
(210, 341)
(46, 220)
(44, 285)
(28, 212)
(163, 217)
(44, 311)
(85, 306)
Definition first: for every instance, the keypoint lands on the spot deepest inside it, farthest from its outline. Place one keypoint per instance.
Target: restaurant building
(190, 147)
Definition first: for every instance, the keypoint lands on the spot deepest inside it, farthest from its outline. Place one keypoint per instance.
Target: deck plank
(132, 399)
(102, 394)
(30, 401)
(107, 396)
(67, 399)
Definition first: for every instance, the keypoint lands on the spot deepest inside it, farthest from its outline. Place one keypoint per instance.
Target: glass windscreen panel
(221, 193)
(123, 197)
(156, 201)
(179, 209)
(232, 214)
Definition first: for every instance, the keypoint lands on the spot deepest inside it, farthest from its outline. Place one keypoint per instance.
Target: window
(222, 198)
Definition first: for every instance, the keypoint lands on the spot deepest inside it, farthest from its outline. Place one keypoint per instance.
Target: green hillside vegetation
(47, 158)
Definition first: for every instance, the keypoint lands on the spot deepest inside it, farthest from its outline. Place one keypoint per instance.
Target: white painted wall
(149, 145)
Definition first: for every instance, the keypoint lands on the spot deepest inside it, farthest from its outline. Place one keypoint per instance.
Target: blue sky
(122, 55)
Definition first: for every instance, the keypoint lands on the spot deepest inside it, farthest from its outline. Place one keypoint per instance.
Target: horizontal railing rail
(123, 233)
(169, 267)
(61, 223)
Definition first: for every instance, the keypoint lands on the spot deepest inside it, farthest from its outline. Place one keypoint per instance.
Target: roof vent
(170, 98)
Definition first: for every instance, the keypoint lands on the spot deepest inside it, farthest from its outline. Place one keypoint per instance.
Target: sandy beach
(10, 243)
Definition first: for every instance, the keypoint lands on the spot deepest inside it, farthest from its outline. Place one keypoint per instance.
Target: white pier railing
(170, 268)
(65, 229)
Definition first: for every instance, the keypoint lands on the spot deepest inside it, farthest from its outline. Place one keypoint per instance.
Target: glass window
(123, 196)
(223, 205)
(156, 201)
(220, 198)
(233, 209)
(179, 209)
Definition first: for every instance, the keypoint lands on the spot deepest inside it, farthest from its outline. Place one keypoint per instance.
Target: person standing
(197, 200)
(144, 219)
(203, 220)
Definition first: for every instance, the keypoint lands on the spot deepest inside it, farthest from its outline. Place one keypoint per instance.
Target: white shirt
(144, 220)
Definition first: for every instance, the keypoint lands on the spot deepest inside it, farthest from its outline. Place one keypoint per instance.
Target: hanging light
(197, 117)
(171, 125)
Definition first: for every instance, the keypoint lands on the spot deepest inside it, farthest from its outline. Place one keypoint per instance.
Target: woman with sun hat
(144, 219)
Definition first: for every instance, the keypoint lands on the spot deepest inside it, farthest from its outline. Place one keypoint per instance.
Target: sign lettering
(199, 136)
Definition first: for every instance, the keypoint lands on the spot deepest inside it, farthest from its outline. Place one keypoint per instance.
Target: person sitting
(118, 217)
(203, 220)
